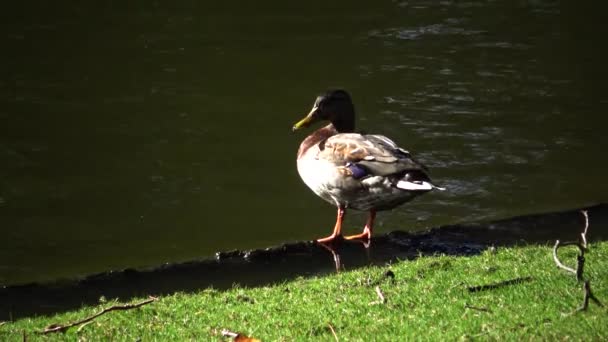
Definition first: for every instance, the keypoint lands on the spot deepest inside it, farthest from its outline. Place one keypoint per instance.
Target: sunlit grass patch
(520, 294)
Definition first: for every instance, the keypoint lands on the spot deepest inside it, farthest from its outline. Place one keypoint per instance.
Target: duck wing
(368, 154)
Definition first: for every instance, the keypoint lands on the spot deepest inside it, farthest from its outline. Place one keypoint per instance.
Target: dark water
(142, 133)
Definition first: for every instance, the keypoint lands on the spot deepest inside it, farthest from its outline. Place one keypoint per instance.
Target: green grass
(428, 300)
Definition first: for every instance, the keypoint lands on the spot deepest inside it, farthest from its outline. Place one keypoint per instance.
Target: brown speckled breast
(315, 138)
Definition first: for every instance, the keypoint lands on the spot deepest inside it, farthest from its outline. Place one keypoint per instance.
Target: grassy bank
(429, 299)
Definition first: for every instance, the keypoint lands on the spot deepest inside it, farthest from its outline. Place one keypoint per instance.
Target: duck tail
(417, 181)
(417, 186)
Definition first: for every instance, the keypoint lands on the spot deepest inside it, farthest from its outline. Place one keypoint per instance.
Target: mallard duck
(366, 172)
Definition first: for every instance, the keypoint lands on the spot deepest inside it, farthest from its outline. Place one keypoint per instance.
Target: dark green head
(334, 106)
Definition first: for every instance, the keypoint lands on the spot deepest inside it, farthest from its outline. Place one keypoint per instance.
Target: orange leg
(367, 231)
(337, 228)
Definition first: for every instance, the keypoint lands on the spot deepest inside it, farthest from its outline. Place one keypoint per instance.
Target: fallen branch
(333, 332)
(582, 247)
(62, 328)
(80, 328)
(499, 284)
(2, 323)
(380, 295)
(559, 264)
(382, 299)
(588, 295)
(584, 233)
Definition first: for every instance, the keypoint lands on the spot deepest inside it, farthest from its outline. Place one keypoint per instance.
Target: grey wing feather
(399, 161)
(377, 153)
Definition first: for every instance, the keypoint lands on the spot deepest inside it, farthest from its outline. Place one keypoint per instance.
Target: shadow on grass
(285, 262)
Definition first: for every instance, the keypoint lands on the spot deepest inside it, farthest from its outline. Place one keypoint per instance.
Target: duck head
(334, 106)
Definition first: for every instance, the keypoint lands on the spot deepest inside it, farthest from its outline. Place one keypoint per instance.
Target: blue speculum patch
(358, 171)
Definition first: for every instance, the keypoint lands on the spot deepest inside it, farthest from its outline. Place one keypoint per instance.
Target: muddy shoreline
(299, 259)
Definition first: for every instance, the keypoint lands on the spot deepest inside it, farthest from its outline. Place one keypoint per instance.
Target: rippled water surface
(132, 135)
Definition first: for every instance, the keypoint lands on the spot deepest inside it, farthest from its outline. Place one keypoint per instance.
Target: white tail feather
(422, 186)
(417, 186)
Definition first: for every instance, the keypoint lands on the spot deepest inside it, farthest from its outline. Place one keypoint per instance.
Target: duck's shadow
(289, 261)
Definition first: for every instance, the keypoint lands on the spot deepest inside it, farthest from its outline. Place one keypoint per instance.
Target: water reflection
(428, 30)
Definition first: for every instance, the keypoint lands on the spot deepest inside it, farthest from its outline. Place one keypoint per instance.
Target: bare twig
(59, 327)
(2, 323)
(587, 289)
(380, 295)
(556, 259)
(382, 299)
(500, 284)
(333, 332)
(588, 295)
(584, 233)
(237, 337)
(580, 265)
(82, 326)
(228, 333)
(580, 259)
(582, 247)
